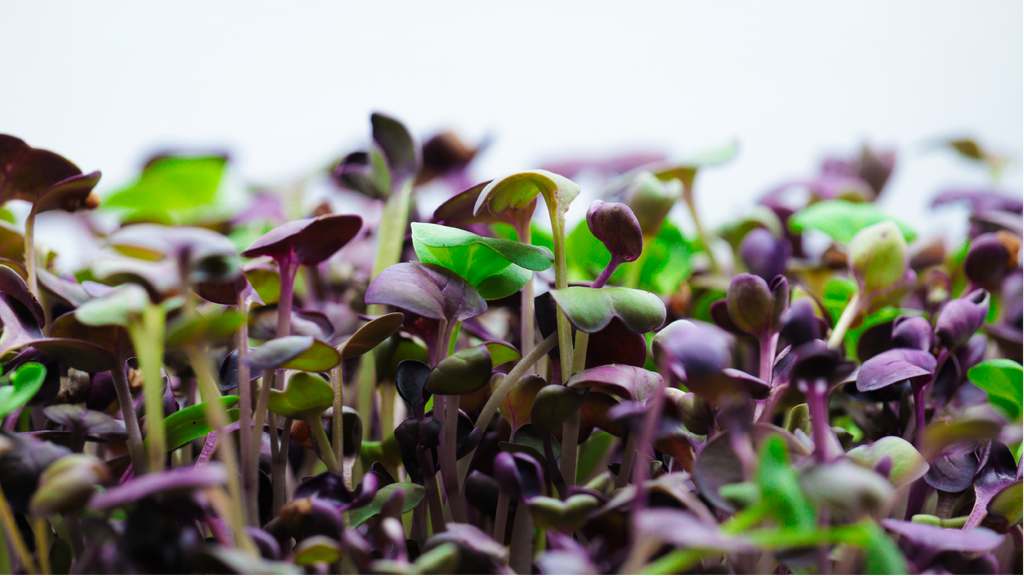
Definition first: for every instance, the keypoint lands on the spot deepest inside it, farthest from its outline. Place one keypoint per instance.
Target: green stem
(326, 452)
(260, 417)
(40, 528)
(499, 394)
(571, 427)
(148, 337)
(849, 314)
(337, 422)
(30, 253)
(705, 238)
(14, 535)
(526, 313)
(136, 447)
(218, 418)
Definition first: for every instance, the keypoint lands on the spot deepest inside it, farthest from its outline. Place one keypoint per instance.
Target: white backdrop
(287, 89)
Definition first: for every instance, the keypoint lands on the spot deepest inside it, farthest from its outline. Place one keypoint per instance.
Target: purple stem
(602, 279)
(249, 473)
(763, 408)
(817, 404)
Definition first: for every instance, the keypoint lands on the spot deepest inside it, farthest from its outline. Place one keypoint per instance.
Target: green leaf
(780, 486)
(172, 183)
(593, 453)
(841, 219)
(305, 397)
(190, 423)
(495, 267)
(316, 550)
(1003, 380)
(414, 494)
(198, 328)
(118, 308)
(371, 334)
(464, 372)
(20, 386)
(592, 309)
(1007, 504)
(502, 352)
(518, 190)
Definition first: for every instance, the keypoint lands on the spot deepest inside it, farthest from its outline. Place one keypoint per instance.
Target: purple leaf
(912, 332)
(627, 382)
(895, 366)
(331, 487)
(980, 200)
(764, 254)
(428, 290)
(924, 541)
(617, 228)
(959, 319)
(683, 529)
(311, 240)
(175, 480)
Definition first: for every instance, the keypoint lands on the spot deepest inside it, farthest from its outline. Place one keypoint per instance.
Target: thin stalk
(40, 528)
(705, 238)
(845, 321)
(430, 483)
(499, 394)
(148, 338)
(326, 452)
(768, 344)
(919, 415)
(5, 554)
(606, 274)
(501, 516)
(250, 480)
(449, 472)
(280, 468)
(14, 535)
(261, 417)
(218, 418)
(337, 432)
(30, 252)
(817, 404)
(136, 448)
(571, 426)
(388, 391)
(526, 313)
(628, 457)
(521, 547)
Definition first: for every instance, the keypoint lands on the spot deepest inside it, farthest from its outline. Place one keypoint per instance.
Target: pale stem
(336, 419)
(41, 529)
(501, 516)
(571, 426)
(849, 314)
(326, 453)
(148, 338)
(526, 312)
(14, 536)
(30, 252)
(705, 238)
(521, 547)
(628, 456)
(249, 479)
(136, 448)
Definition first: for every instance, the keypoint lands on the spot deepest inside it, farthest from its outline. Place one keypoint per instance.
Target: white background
(287, 87)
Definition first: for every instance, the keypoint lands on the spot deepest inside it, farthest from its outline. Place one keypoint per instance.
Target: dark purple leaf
(411, 381)
(750, 303)
(953, 470)
(428, 290)
(311, 240)
(616, 344)
(990, 257)
(926, 540)
(87, 421)
(472, 540)
(895, 366)
(683, 529)
(175, 480)
(980, 200)
(800, 324)
(624, 381)
(959, 319)
(519, 474)
(912, 332)
(331, 487)
(22, 465)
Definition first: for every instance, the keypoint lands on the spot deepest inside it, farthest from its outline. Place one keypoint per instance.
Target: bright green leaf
(592, 309)
(20, 386)
(414, 494)
(172, 183)
(1003, 380)
(190, 423)
(841, 219)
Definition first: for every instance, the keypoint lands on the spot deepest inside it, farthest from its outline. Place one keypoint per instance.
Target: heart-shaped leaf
(553, 514)
(311, 240)
(842, 219)
(495, 267)
(553, 405)
(624, 381)
(78, 354)
(20, 386)
(305, 397)
(294, 353)
(518, 403)
(591, 310)
(414, 494)
(398, 146)
(371, 334)
(190, 422)
(14, 286)
(464, 372)
(429, 290)
(907, 464)
(1003, 380)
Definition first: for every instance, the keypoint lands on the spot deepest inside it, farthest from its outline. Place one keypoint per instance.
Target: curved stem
(499, 394)
(218, 418)
(849, 314)
(526, 313)
(326, 451)
(10, 526)
(705, 238)
(40, 528)
(148, 338)
(136, 448)
(606, 274)
(628, 457)
(250, 480)
(30, 252)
